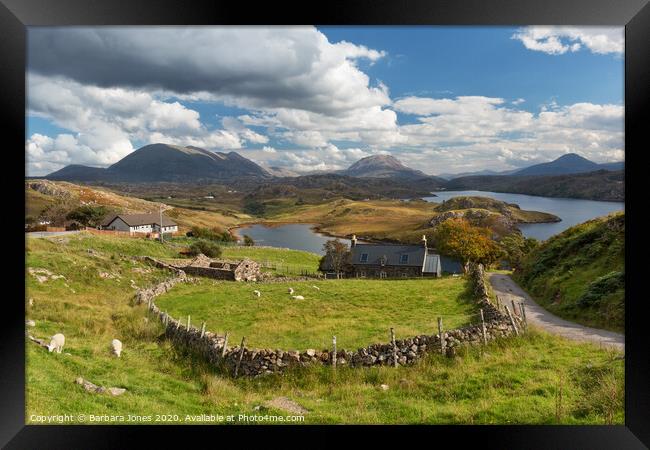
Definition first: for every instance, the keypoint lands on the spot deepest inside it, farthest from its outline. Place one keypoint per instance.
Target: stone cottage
(389, 261)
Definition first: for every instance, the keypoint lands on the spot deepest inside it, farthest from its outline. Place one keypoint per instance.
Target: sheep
(291, 291)
(56, 343)
(316, 287)
(31, 302)
(257, 293)
(298, 297)
(116, 346)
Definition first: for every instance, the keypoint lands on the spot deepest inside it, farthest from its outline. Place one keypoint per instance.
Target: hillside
(91, 310)
(52, 201)
(599, 185)
(164, 162)
(579, 273)
(501, 217)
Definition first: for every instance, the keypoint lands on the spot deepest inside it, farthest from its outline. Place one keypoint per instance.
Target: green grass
(358, 312)
(565, 274)
(510, 381)
(293, 260)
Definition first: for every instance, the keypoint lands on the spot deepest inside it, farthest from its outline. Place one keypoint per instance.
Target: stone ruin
(201, 265)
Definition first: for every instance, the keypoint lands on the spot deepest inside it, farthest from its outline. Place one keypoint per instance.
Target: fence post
(512, 321)
(203, 329)
(514, 308)
(334, 355)
(241, 355)
(392, 340)
(522, 306)
(483, 327)
(225, 345)
(188, 322)
(498, 303)
(442, 341)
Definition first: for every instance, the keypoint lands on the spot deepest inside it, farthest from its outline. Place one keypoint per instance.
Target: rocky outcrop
(477, 217)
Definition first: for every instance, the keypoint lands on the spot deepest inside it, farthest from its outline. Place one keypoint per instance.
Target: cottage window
(364, 257)
(403, 259)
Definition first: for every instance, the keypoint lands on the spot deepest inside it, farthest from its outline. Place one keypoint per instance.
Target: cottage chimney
(353, 241)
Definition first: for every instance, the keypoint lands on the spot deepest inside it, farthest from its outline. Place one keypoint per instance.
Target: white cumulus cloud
(557, 40)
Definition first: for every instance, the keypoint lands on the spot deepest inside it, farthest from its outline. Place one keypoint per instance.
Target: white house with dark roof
(140, 223)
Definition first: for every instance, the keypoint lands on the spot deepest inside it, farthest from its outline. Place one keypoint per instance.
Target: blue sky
(441, 99)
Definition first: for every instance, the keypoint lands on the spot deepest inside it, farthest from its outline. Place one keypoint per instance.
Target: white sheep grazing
(257, 293)
(116, 345)
(291, 291)
(298, 297)
(316, 287)
(56, 343)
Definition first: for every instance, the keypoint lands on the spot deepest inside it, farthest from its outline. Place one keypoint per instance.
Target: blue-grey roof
(451, 265)
(392, 253)
(432, 263)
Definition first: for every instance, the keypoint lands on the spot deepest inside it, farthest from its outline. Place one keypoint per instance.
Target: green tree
(248, 241)
(208, 248)
(515, 248)
(337, 254)
(456, 237)
(88, 215)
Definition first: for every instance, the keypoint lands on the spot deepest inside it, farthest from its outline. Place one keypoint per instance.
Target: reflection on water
(296, 236)
(571, 211)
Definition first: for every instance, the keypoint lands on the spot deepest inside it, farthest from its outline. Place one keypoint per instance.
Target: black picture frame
(16, 15)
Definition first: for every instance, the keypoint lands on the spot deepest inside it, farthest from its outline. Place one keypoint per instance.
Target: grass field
(358, 312)
(276, 260)
(510, 381)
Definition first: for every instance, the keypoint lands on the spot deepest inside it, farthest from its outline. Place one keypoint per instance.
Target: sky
(441, 99)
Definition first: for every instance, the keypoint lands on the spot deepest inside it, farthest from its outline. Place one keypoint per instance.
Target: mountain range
(564, 165)
(173, 163)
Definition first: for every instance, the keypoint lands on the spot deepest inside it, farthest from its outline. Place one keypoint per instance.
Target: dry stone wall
(253, 361)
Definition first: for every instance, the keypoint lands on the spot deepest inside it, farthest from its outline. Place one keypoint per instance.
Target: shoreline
(315, 227)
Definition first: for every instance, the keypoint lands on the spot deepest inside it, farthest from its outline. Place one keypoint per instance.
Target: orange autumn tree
(458, 238)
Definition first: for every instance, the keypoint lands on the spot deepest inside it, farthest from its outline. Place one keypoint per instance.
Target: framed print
(382, 213)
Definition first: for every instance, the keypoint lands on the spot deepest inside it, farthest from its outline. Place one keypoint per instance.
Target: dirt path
(508, 290)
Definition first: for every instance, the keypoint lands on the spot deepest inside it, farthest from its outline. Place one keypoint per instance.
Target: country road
(508, 290)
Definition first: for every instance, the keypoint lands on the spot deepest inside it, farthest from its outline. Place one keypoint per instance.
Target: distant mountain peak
(565, 164)
(571, 157)
(378, 160)
(382, 166)
(166, 162)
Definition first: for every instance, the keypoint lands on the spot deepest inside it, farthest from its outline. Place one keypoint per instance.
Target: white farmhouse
(140, 223)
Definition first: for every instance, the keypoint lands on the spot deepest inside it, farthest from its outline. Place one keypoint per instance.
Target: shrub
(210, 234)
(208, 248)
(601, 287)
(255, 208)
(248, 241)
